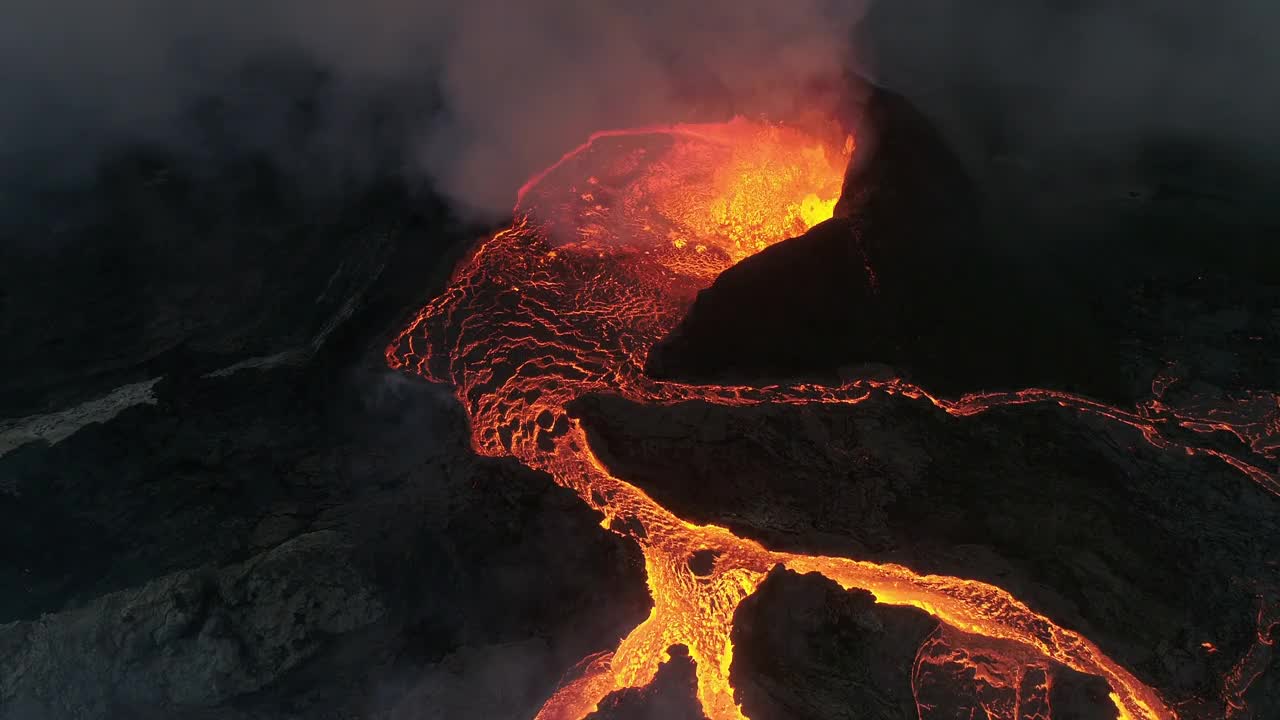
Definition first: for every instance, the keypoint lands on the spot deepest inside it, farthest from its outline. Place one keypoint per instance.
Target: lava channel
(608, 249)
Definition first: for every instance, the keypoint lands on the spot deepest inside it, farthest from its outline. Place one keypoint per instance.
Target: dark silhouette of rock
(671, 696)
(803, 648)
(902, 277)
(1075, 696)
(192, 639)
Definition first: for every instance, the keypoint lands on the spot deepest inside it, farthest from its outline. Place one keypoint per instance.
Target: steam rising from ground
(512, 85)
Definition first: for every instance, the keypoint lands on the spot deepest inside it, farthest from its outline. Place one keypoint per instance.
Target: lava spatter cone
(901, 276)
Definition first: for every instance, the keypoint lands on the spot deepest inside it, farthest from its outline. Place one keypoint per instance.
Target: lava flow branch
(609, 247)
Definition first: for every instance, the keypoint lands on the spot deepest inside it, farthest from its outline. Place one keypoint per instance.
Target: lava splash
(609, 247)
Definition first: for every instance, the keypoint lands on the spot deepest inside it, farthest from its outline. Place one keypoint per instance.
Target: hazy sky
(520, 82)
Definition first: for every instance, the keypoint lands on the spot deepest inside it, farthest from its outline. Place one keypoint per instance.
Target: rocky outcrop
(671, 695)
(255, 546)
(804, 648)
(1074, 696)
(193, 639)
(901, 277)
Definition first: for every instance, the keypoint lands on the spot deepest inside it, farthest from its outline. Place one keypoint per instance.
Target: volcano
(755, 417)
(650, 292)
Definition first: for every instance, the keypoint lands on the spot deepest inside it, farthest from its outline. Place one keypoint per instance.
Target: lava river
(609, 247)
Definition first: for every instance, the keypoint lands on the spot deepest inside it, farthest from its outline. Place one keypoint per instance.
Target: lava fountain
(608, 249)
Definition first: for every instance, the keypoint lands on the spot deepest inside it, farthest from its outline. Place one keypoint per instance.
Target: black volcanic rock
(671, 696)
(192, 639)
(901, 277)
(250, 547)
(959, 676)
(806, 649)
(1147, 552)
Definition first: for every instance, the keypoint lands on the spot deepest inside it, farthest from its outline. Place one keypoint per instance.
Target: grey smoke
(515, 84)
(1075, 73)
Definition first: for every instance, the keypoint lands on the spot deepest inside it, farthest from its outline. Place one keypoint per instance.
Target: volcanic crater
(880, 400)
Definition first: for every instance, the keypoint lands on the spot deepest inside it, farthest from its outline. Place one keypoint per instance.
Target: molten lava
(729, 190)
(609, 247)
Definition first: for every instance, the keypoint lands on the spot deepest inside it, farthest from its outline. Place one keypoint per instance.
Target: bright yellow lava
(775, 183)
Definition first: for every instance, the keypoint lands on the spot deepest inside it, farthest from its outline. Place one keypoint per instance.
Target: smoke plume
(1112, 75)
(513, 85)
(476, 95)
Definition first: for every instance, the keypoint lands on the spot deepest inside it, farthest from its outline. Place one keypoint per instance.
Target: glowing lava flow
(608, 250)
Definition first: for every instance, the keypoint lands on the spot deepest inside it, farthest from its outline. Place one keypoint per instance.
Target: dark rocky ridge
(1146, 552)
(912, 274)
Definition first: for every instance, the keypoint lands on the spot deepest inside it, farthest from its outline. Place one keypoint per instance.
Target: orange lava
(608, 250)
